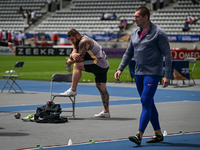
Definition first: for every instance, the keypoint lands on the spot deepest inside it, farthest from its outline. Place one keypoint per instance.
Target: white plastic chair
(193, 61)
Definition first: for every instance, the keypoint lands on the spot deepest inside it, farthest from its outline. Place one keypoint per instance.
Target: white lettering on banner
(68, 51)
(28, 51)
(195, 39)
(190, 38)
(20, 51)
(4, 51)
(61, 51)
(7, 50)
(172, 38)
(185, 70)
(43, 51)
(98, 37)
(196, 55)
(192, 54)
(182, 54)
(175, 54)
(187, 55)
(51, 51)
(186, 38)
(35, 51)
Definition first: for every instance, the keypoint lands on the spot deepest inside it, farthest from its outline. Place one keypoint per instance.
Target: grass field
(42, 68)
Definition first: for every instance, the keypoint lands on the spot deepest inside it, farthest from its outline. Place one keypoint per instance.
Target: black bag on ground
(49, 113)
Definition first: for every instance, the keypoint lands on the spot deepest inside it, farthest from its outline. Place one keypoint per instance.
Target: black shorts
(100, 74)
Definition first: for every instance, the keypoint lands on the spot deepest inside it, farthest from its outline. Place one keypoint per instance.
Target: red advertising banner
(182, 54)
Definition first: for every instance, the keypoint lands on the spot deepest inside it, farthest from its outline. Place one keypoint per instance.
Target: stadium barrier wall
(184, 38)
(110, 52)
(182, 54)
(7, 51)
(44, 51)
(107, 37)
(176, 54)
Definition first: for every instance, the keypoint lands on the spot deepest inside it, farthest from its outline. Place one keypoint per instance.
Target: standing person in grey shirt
(148, 44)
(87, 55)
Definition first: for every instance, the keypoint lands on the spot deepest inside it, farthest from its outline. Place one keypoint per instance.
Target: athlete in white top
(87, 55)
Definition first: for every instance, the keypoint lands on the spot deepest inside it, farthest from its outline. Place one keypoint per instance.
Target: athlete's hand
(76, 56)
(69, 62)
(165, 82)
(11, 45)
(117, 75)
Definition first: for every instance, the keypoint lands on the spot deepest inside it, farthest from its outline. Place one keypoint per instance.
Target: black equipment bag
(49, 113)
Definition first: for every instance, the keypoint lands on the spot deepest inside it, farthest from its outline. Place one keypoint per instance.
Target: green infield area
(42, 68)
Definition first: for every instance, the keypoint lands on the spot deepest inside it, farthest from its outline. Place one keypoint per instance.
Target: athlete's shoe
(102, 115)
(29, 118)
(136, 139)
(69, 69)
(155, 138)
(69, 92)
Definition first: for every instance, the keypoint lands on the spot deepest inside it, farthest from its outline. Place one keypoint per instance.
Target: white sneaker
(69, 92)
(102, 115)
(69, 69)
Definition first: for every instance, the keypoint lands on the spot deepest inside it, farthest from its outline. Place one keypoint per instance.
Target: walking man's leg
(147, 90)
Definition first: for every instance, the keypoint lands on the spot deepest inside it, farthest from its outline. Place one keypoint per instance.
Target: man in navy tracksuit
(148, 44)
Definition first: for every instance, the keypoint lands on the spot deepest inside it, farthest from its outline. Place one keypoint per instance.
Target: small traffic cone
(70, 142)
(165, 133)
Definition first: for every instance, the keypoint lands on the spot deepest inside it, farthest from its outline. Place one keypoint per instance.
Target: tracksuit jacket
(148, 52)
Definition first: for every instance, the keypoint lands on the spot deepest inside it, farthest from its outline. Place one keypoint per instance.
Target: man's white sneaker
(102, 115)
(69, 92)
(69, 69)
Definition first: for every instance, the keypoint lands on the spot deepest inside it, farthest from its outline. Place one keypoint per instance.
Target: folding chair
(62, 78)
(13, 77)
(193, 61)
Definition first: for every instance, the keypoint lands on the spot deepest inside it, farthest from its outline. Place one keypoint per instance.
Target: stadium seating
(172, 20)
(85, 16)
(11, 19)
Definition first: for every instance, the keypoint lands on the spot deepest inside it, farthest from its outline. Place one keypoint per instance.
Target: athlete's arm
(74, 49)
(84, 45)
(72, 56)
